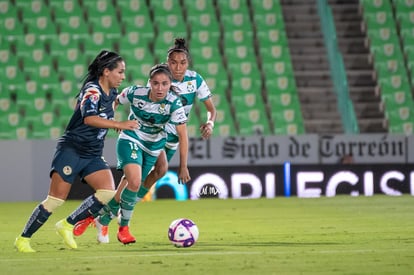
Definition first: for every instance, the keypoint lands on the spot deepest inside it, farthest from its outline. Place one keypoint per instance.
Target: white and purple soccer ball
(183, 233)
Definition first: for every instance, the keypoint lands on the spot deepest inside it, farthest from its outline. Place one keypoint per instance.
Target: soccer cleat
(65, 230)
(81, 226)
(22, 244)
(103, 236)
(124, 236)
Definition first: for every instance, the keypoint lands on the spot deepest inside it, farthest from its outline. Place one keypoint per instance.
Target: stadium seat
(135, 17)
(274, 67)
(253, 122)
(279, 84)
(395, 98)
(371, 6)
(392, 82)
(139, 62)
(11, 75)
(251, 83)
(37, 130)
(399, 114)
(261, 8)
(9, 23)
(233, 7)
(136, 37)
(284, 128)
(169, 27)
(398, 127)
(379, 36)
(224, 124)
(169, 23)
(193, 124)
(36, 17)
(12, 126)
(214, 74)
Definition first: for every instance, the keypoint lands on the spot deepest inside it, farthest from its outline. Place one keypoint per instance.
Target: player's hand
(206, 130)
(128, 125)
(183, 175)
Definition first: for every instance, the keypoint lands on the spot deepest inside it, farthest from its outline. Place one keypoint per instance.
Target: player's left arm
(207, 128)
(183, 173)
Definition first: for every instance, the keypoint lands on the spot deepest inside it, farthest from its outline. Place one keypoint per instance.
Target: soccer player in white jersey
(191, 86)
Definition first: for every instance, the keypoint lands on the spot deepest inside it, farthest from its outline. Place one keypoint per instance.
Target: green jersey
(152, 117)
(191, 88)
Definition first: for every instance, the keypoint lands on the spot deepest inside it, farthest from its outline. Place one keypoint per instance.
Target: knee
(104, 196)
(160, 169)
(51, 203)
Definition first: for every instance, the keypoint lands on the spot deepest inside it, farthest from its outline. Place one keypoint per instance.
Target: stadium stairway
(311, 68)
(355, 52)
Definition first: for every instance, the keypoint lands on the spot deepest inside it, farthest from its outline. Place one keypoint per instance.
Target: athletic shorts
(129, 152)
(69, 164)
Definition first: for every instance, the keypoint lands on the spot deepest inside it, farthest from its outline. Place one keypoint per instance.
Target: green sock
(128, 200)
(142, 191)
(109, 212)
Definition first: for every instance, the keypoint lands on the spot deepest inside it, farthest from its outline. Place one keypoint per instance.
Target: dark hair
(179, 46)
(105, 59)
(160, 68)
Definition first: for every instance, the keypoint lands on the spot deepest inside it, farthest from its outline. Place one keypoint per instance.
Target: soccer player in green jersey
(137, 151)
(191, 86)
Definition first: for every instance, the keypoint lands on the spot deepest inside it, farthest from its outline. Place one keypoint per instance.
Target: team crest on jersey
(90, 95)
(67, 170)
(161, 109)
(190, 87)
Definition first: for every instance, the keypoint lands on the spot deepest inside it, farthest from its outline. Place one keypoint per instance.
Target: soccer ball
(183, 233)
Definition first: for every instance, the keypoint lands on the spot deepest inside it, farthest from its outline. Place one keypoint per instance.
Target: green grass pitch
(340, 235)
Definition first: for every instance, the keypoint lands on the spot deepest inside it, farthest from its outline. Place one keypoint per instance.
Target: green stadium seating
(9, 23)
(285, 128)
(371, 6)
(401, 113)
(98, 8)
(276, 67)
(193, 124)
(393, 82)
(253, 122)
(224, 124)
(38, 130)
(390, 66)
(136, 36)
(379, 36)
(401, 128)
(396, 98)
(261, 8)
(403, 5)
(12, 128)
(139, 62)
(214, 74)
(134, 16)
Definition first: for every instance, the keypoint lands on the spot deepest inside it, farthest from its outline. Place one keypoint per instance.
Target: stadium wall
(383, 164)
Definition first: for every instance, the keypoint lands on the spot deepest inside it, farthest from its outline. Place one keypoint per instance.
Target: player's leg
(56, 197)
(108, 213)
(62, 176)
(159, 170)
(102, 219)
(98, 175)
(128, 198)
